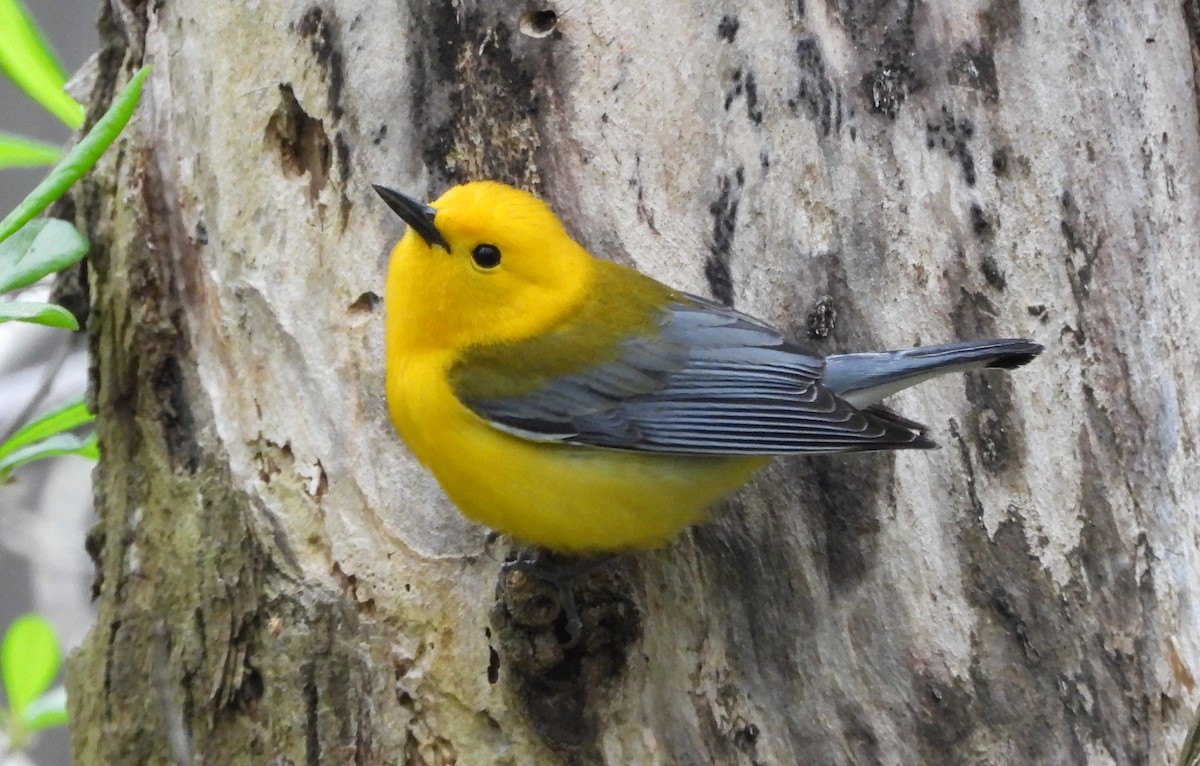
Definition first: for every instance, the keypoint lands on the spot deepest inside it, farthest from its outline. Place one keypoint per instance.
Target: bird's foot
(561, 573)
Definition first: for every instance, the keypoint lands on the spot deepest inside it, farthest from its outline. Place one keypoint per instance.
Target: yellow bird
(579, 405)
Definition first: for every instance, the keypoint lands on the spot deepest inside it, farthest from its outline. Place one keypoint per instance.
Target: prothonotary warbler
(579, 405)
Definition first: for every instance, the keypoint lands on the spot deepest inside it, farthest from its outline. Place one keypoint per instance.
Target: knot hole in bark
(557, 681)
(538, 23)
(300, 140)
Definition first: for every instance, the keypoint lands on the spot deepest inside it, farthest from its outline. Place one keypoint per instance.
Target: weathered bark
(279, 582)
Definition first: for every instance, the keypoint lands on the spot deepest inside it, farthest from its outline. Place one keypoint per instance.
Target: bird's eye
(486, 256)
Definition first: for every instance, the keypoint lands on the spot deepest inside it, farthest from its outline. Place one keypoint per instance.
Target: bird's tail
(866, 379)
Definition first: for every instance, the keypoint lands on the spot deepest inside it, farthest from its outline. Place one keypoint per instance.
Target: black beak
(418, 215)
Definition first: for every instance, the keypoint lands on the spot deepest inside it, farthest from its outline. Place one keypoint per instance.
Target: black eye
(486, 256)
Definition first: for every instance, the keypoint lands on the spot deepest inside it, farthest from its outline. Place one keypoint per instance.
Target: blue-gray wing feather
(712, 382)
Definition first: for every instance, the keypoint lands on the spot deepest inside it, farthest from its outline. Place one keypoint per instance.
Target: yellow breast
(563, 497)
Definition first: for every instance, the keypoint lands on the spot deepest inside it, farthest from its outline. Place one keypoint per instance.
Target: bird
(579, 405)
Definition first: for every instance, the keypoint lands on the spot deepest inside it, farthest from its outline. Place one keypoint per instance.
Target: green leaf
(46, 314)
(47, 711)
(90, 448)
(70, 415)
(20, 152)
(29, 61)
(55, 446)
(39, 248)
(80, 159)
(29, 660)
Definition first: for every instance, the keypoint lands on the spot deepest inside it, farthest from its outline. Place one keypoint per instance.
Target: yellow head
(485, 263)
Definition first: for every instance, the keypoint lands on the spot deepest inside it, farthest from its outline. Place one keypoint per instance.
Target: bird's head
(485, 263)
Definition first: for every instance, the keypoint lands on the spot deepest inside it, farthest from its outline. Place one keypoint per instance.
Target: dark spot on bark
(816, 95)
(93, 544)
(538, 24)
(887, 86)
(1122, 576)
(312, 731)
(1074, 333)
(554, 682)
(1083, 244)
(320, 25)
(1071, 655)
(250, 691)
(842, 315)
(753, 111)
(973, 315)
(952, 135)
(991, 419)
(727, 29)
(992, 422)
(946, 712)
(1002, 606)
(1001, 20)
(886, 29)
(412, 750)
(735, 90)
(975, 68)
(992, 273)
(114, 629)
(71, 289)
(745, 558)
(300, 140)
(981, 227)
(1081, 253)
(860, 738)
(272, 458)
(822, 318)
(1191, 15)
(873, 20)
(487, 125)
(365, 303)
(745, 736)
(724, 212)
(644, 213)
(341, 150)
(1007, 639)
(175, 414)
(493, 668)
(198, 625)
(846, 489)
(1000, 162)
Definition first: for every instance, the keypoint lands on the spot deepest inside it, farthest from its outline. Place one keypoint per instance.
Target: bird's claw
(562, 576)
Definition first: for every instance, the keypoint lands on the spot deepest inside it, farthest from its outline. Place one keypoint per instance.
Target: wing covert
(706, 380)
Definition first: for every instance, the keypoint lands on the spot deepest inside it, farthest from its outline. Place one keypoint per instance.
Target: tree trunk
(280, 582)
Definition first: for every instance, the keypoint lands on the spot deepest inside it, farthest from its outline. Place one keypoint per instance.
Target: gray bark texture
(279, 582)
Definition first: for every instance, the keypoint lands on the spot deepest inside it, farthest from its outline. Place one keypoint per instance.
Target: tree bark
(279, 582)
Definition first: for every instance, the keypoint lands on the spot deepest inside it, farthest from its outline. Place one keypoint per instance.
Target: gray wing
(713, 382)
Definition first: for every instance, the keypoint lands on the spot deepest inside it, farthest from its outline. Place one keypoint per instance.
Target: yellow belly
(563, 497)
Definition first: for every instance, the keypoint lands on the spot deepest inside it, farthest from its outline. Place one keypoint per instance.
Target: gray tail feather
(865, 379)
(1003, 354)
